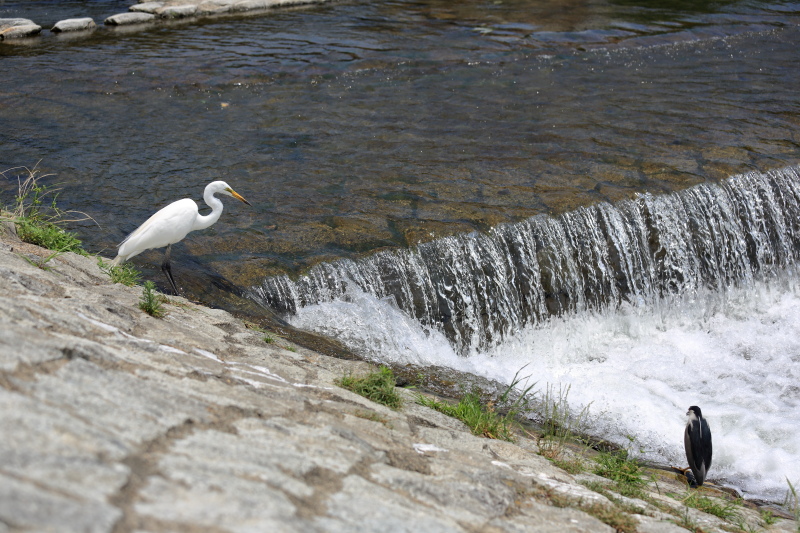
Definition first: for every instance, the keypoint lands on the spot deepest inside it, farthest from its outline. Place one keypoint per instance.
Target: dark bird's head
(694, 410)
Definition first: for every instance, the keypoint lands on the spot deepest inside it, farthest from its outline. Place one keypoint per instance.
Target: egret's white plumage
(172, 223)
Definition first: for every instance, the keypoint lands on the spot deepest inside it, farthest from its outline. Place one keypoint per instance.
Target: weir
(480, 288)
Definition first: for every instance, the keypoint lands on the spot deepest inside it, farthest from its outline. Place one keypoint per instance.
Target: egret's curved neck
(202, 222)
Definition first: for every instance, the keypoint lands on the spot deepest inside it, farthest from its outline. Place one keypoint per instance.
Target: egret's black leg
(167, 269)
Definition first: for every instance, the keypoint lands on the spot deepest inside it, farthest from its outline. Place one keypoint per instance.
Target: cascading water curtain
(480, 288)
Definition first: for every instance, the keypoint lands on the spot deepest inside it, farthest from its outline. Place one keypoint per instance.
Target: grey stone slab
(26, 506)
(128, 19)
(18, 28)
(20, 345)
(211, 7)
(176, 12)
(365, 506)
(650, 525)
(146, 7)
(250, 5)
(535, 517)
(78, 24)
(230, 503)
(458, 494)
(126, 408)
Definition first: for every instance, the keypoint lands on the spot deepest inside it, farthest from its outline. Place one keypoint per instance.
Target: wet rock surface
(116, 421)
(146, 13)
(181, 9)
(18, 28)
(123, 19)
(81, 24)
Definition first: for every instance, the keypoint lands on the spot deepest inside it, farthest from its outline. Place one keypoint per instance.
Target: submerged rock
(82, 24)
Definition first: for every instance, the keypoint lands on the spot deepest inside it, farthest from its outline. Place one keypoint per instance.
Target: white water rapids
(639, 368)
(643, 309)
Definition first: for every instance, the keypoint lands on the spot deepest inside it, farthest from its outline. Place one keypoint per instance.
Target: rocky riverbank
(146, 13)
(113, 420)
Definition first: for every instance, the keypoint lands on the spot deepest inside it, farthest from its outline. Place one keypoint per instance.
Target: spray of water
(644, 307)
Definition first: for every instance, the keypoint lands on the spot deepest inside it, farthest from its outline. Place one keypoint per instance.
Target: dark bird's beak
(239, 196)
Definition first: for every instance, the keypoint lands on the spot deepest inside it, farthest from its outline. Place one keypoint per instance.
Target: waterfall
(480, 288)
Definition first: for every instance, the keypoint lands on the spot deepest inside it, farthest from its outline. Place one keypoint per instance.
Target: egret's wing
(168, 225)
(141, 229)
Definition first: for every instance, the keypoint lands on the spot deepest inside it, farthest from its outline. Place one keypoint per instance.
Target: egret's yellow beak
(237, 196)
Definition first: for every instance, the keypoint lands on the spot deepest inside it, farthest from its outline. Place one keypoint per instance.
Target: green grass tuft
(720, 508)
(38, 222)
(559, 424)
(124, 273)
(151, 300)
(483, 418)
(41, 262)
(767, 517)
(627, 474)
(377, 386)
(48, 235)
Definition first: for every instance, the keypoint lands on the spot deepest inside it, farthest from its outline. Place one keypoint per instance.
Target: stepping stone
(177, 12)
(82, 24)
(125, 19)
(18, 28)
(147, 7)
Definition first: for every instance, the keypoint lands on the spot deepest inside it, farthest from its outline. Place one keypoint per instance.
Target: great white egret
(171, 224)
(697, 442)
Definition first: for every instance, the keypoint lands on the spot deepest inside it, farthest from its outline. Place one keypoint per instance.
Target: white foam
(737, 356)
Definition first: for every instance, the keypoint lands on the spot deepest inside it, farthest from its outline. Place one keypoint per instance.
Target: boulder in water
(176, 12)
(147, 7)
(125, 19)
(67, 25)
(18, 28)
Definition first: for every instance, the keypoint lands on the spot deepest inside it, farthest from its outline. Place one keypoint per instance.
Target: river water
(403, 127)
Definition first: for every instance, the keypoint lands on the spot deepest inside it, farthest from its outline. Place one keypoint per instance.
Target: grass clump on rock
(125, 273)
(627, 474)
(726, 510)
(377, 386)
(560, 425)
(483, 418)
(151, 300)
(39, 222)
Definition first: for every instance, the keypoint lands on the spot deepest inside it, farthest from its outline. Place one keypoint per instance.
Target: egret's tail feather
(116, 261)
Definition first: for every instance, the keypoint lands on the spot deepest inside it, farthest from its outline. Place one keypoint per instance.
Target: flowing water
(482, 185)
(641, 308)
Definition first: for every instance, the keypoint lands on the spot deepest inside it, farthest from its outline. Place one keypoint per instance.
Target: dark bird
(697, 441)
